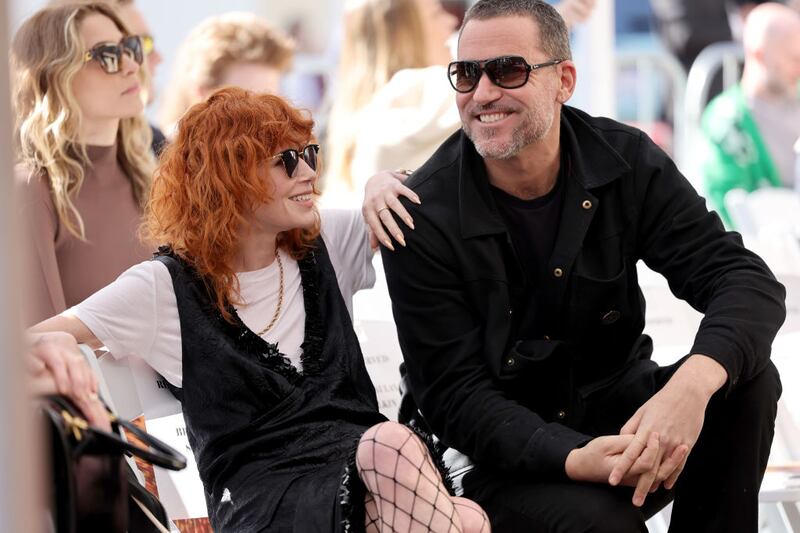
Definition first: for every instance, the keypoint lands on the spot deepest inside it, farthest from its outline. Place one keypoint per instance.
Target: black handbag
(93, 488)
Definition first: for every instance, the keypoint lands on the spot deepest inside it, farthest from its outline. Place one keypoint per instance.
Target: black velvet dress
(274, 446)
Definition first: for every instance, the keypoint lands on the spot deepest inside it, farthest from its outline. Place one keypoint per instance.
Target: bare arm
(66, 323)
(58, 366)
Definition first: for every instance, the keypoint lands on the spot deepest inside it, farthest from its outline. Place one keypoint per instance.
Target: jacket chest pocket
(600, 309)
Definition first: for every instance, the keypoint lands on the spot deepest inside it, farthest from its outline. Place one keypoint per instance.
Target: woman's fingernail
(400, 239)
(417, 200)
(387, 243)
(410, 223)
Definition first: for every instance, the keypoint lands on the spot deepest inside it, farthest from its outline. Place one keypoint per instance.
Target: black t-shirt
(533, 227)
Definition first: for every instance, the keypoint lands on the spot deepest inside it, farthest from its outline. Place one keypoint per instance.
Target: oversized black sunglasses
(508, 72)
(291, 158)
(109, 55)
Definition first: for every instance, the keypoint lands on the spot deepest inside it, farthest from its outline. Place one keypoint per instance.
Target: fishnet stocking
(405, 490)
(473, 518)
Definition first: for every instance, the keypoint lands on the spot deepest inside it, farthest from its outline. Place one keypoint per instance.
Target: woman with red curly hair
(241, 312)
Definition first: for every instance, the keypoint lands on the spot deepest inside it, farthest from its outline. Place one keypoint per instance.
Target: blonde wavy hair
(211, 48)
(382, 37)
(46, 54)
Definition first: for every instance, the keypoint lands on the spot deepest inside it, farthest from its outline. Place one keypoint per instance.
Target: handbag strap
(158, 525)
(157, 452)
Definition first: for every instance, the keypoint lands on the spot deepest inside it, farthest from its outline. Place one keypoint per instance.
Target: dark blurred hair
(553, 32)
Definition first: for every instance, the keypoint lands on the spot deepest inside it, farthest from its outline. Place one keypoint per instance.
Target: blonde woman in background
(84, 152)
(134, 20)
(233, 49)
(392, 106)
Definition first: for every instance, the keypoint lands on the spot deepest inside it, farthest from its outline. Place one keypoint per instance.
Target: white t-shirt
(137, 314)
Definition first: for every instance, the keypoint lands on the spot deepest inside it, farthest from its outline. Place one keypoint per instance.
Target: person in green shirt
(749, 129)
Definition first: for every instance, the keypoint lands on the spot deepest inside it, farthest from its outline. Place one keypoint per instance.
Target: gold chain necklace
(280, 296)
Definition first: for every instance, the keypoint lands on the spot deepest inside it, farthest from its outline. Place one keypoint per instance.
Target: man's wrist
(572, 464)
(702, 374)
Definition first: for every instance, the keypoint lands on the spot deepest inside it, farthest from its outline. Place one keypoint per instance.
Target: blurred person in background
(750, 129)
(83, 146)
(686, 27)
(133, 18)
(233, 49)
(130, 13)
(575, 11)
(738, 11)
(242, 314)
(391, 108)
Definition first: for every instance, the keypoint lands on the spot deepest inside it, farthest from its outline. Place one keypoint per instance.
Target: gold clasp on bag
(75, 423)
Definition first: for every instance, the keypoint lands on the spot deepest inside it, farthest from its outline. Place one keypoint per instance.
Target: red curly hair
(208, 179)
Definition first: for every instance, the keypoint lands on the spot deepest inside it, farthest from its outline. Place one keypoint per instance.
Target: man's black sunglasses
(109, 55)
(508, 72)
(291, 158)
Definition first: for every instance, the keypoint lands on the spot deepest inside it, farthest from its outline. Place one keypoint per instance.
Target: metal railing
(725, 56)
(648, 66)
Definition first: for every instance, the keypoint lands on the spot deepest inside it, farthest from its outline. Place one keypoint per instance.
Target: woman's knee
(473, 517)
(389, 448)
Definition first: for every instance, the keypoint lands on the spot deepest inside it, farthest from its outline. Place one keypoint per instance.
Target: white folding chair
(131, 389)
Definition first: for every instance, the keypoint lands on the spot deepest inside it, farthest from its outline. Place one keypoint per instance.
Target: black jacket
(499, 396)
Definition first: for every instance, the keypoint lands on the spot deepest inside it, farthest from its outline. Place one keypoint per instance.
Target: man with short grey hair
(750, 129)
(521, 319)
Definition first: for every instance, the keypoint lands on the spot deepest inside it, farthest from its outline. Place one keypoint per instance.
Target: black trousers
(717, 491)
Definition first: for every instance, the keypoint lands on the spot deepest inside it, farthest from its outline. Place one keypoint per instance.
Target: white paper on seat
(182, 492)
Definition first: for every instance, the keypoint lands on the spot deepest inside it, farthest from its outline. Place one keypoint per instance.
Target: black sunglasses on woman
(109, 55)
(291, 158)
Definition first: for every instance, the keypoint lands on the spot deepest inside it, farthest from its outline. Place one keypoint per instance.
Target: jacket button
(510, 311)
(510, 361)
(561, 415)
(557, 272)
(547, 337)
(610, 317)
(587, 204)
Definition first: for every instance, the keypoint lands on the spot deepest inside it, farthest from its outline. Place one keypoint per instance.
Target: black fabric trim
(314, 335)
(352, 493)
(436, 449)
